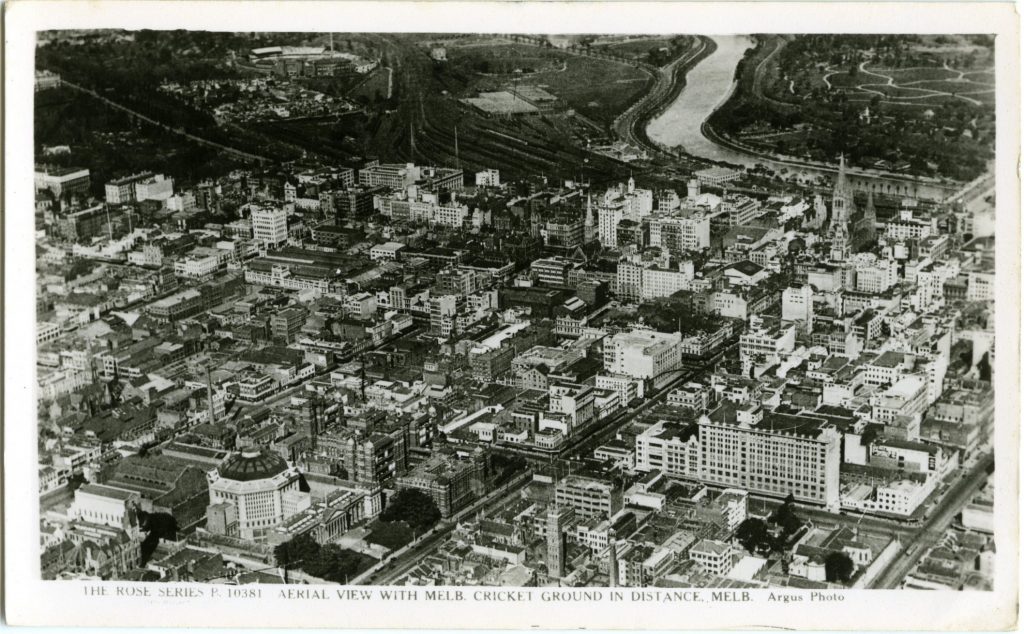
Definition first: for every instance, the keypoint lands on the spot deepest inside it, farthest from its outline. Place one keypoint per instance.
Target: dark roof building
(252, 465)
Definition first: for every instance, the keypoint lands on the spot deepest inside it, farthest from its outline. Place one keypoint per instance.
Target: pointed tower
(870, 218)
(842, 210)
(589, 228)
(842, 196)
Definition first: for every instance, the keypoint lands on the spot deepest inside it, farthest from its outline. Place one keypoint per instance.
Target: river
(708, 85)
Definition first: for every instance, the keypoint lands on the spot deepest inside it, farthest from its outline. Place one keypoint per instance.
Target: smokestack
(209, 394)
(613, 563)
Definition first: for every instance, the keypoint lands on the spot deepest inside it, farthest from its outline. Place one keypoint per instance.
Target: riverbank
(708, 130)
(748, 75)
(677, 84)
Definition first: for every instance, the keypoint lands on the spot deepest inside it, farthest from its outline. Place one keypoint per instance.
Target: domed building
(252, 492)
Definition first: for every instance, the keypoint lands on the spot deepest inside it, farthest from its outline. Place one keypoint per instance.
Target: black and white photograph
(661, 317)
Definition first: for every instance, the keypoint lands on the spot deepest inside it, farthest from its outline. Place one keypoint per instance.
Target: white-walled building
(772, 454)
(677, 234)
(158, 187)
(798, 305)
(765, 344)
(488, 178)
(106, 505)
(270, 226)
(262, 490)
(657, 282)
(670, 448)
(642, 354)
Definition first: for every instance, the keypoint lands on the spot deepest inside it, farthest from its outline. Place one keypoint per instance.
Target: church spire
(842, 197)
(842, 186)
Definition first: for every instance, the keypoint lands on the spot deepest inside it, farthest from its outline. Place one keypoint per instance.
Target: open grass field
(374, 86)
(503, 58)
(983, 76)
(911, 86)
(907, 75)
(897, 92)
(639, 47)
(903, 70)
(598, 88)
(951, 86)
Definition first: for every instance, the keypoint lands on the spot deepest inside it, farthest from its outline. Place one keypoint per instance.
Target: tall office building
(556, 541)
(771, 454)
(270, 226)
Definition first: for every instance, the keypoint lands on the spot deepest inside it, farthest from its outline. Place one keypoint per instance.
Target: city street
(395, 566)
(919, 541)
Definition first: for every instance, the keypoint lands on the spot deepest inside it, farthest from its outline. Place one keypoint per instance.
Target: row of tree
(329, 562)
(408, 513)
(757, 536)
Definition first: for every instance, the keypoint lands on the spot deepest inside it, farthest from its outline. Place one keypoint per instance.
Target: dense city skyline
(674, 311)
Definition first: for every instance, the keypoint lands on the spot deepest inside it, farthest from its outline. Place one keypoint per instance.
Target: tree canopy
(391, 535)
(297, 551)
(413, 507)
(337, 564)
(752, 534)
(838, 567)
(157, 526)
(785, 517)
(329, 562)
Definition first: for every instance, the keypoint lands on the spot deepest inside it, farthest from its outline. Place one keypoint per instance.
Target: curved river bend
(708, 86)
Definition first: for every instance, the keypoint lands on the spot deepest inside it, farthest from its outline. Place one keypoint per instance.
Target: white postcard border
(29, 600)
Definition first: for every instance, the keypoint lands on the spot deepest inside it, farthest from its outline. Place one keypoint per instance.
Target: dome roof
(252, 465)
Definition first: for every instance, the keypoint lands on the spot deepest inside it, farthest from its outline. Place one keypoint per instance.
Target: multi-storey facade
(62, 181)
(777, 455)
(375, 457)
(669, 448)
(262, 489)
(588, 497)
(658, 282)
(765, 344)
(679, 234)
(555, 537)
(270, 226)
(642, 354)
(453, 483)
(122, 190)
